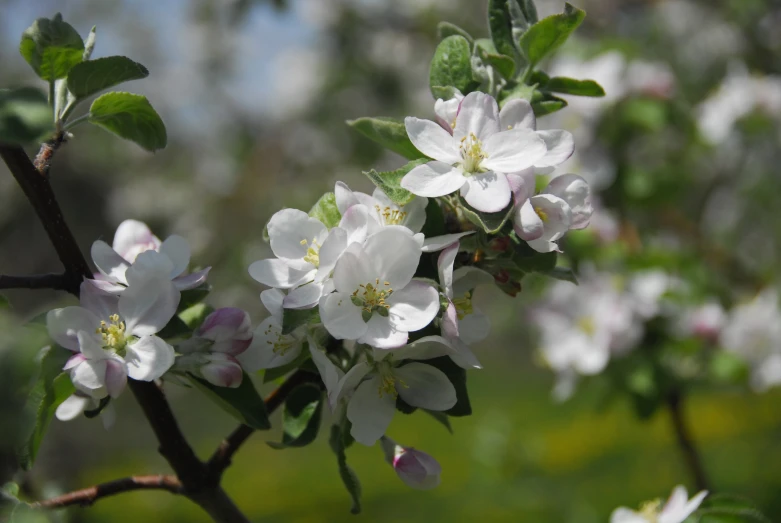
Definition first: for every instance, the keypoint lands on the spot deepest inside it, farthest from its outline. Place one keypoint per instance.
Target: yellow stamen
(472, 154)
(113, 334)
(541, 213)
(586, 324)
(463, 305)
(312, 253)
(650, 510)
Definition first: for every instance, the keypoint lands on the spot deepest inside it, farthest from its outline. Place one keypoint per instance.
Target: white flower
(78, 402)
(703, 321)
(114, 337)
(270, 348)
(381, 209)
(753, 331)
(475, 159)
(447, 110)
(375, 299)
(134, 243)
(415, 468)
(676, 510)
(542, 219)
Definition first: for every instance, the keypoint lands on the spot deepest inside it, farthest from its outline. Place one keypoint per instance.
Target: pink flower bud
(222, 370)
(229, 329)
(416, 469)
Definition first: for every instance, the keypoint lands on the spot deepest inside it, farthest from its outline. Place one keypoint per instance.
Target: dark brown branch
(685, 440)
(58, 282)
(88, 496)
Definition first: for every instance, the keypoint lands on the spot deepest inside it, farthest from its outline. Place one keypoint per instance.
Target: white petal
(445, 269)
(329, 373)
(304, 297)
(517, 114)
(149, 265)
(95, 300)
(513, 151)
(433, 141)
(560, 146)
(272, 299)
(106, 286)
(381, 333)
(91, 346)
(348, 383)
(148, 308)
(178, 251)
(131, 236)
(425, 386)
(64, 324)
(576, 192)
(329, 253)
(413, 307)
(433, 179)
(279, 273)
(89, 376)
(108, 261)
(522, 184)
(149, 358)
(467, 278)
(344, 197)
(394, 256)
(679, 507)
(352, 270)
(435, 346)
(624, 515)
(341, 317)
(487, 192)
(288, 228)
(416, 213)
(191, 281)
(478, 115)
(555, 213)
(223, 371)
(72, 407)
(474, 327)
(369, 412)
(116, 376)
(261, 353)
(436, 243)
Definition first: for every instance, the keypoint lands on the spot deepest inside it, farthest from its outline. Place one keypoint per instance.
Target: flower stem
(685, 441)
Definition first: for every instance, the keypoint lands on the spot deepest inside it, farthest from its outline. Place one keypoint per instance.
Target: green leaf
(517, 91)
(501, 27)
(195, 315)
(51, 47)
(551, 105)
(452, 65)
(243, 403)
(4, 303)
(175, 328)
(728, 367)
(491, 222)
(435, 220)
(729, 508)
(129, 116)
(194, 296)
(51, 388)
(560, 84)
(301, 417)
(90, 77)
(390, 182)
(25, 116)
(502, 63)
(443, 92)
(445, 29)
(326, 210)
(529, 10)
(457, 377)
(388, 132)
(337, 441)
(563, 274)
(548, 34)
(441, 417)
(294, 318)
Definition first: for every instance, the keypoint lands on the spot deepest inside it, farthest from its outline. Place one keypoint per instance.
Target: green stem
(73, 123)
(51, 101)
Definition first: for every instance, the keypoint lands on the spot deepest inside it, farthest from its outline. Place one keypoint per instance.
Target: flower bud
(229, 329)
(501, 244)
(415, 468)
(222, 370)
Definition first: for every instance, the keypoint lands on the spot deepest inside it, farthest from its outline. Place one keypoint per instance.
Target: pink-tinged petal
(288, 228)
(517, 114)
(91, 345)
(394, 256)
(417, 469)
(229, 328)
(109, 262)
(487, 192)
(304, 297)
(90, 377)
(341, 317)
(433, 179)
(148, 307)
(445, 268)
(449, 324)
(527, 223)
(95, 300)
(413, 307)
(279, 273)
(73, 361)
(478, 115)
(381, 333)
(269, 348)
(116, 377)
(425, 386)
(72, 407)
(132, 238)
(555, 214)
(513, 151)
(191, 281)
(64, 324)
(272, 300)
(222, 371)
(560, 146)
(149, 265)
(416, 212)
(353, 270)
(522, 184)
(370, 413)
(447, 111)
(104, 285)
(178, 251)
(576, 192)
(345, 198)
(432, 140)
(148, 358)
(543, 245)
(437, 243)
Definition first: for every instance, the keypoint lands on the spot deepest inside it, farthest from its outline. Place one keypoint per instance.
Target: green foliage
(457, 377)
(563, 274)
(388, 132)
(441, 417)
(728, 367)
(500, 24)
(92, 76)
(192, 297)
(326, 210)
(51, 388)
(390, 181)
(516, 91)
(445, 29)
(339, 440)
(301, 417)
(51, 47)
(25, 116)
(4, 303)
(243, 403)
(549, 105)
(452, 65)
(294, 318)
(502, 63)
(727, 508)
(550, 33)
(129, 116)
(490, 222)
(560, 84)
(194, 315)
(175, 329)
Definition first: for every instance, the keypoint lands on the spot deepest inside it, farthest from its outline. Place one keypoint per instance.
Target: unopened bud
(229, 329)
(222, 370)
(501, 244)
(502, 276)
(415, 468)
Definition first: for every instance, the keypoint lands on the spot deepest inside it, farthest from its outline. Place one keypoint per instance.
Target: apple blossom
(703, 321)
(475, 159)
(375, 299)
(270, 348)
(415, 468)
(447, 110)
(676, 510)
(77, 403)
(382, 209)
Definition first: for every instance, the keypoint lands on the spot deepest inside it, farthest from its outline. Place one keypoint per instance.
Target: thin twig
(88, 496)
(58, 282)
(685, 440)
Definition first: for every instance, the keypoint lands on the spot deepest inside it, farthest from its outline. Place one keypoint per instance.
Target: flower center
(372, 298)
(472, 154)
(463, 305)
(113, 334)
(541, 213)
(284, 341)
(586, 324)
(391, 216)
(312, 253)
(650, 510)
(388, 380)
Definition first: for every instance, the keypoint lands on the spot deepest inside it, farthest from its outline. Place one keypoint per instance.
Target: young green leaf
(452, 65)
(390, 181)
(90, 77)
(388, 132)
(192, 296)
(501, 27)
(529, 10)
(517, 91)
(4, 303)
(194, 315)
(445, 29)
(294, 318)
(548, 34)
(25, 116)
(550, 105)
(560, 84)
(563, 274)
(490, 222)
(243, 403)
(729, 508)
(326, 210)
(51, 47)
(301, 417)
(129, 116)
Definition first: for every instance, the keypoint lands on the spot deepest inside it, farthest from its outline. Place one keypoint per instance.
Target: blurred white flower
(676, 510)
(703, 321)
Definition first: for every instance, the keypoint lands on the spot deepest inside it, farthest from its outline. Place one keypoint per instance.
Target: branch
(57, 282)
(685, 440)
(88, 496)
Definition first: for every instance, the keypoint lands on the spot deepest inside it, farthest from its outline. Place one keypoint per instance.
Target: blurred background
(683, 151)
